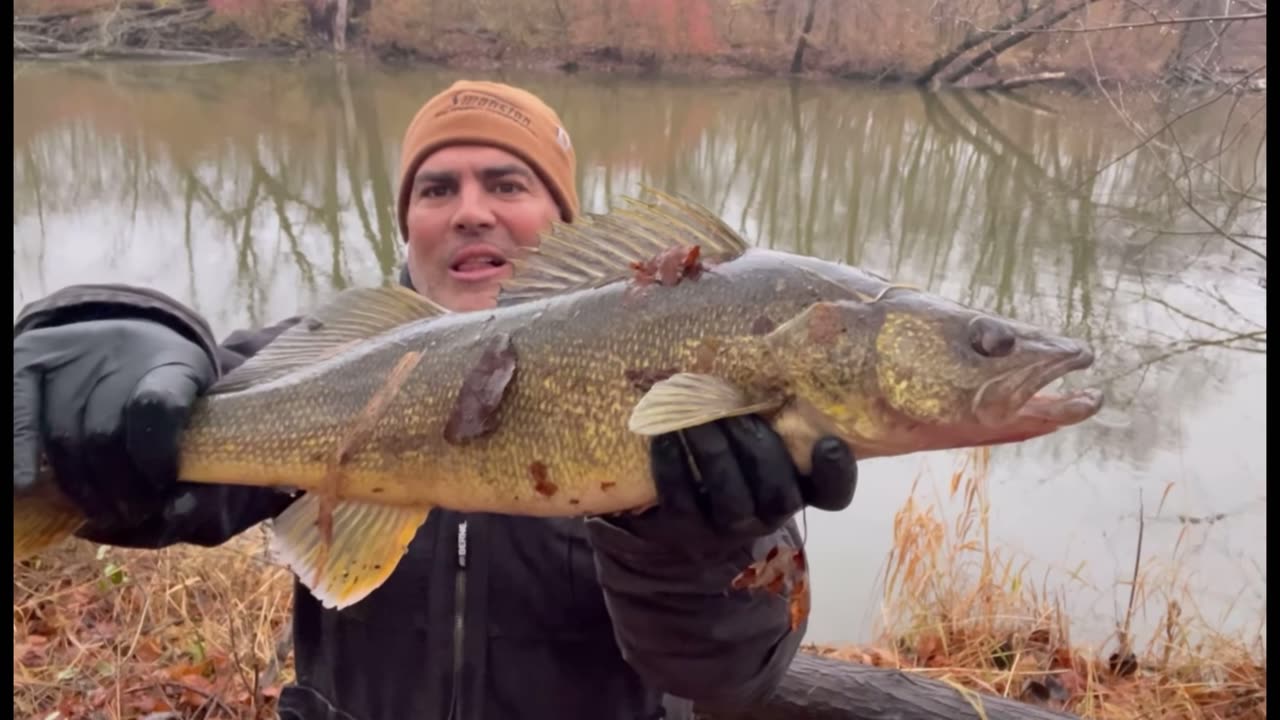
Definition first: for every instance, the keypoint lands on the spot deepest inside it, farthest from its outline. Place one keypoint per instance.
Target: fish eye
(990, 338)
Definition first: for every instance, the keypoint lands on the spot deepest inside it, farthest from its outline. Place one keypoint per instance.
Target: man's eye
(435, 191)
(508, 187)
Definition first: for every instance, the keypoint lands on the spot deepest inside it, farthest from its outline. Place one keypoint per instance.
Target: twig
(1013, 39)
(974, 39)
(1137, 564)
(212, 698)
(1020, 81)
(1154, 23)
(1170, 123)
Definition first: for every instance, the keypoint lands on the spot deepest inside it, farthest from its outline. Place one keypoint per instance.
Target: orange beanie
(498, 115)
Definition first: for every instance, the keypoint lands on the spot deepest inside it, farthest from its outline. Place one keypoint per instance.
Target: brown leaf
(1039, 636)
(149, 702)
(73, 707)
(147, 651)
(33, 651)
(1072, 682)
(927, 647)
(475, 411)
(99, 697)
(783, 571)
(102, 631)
(196, 690)
(181, 670)
(938, 660)
(799, 603)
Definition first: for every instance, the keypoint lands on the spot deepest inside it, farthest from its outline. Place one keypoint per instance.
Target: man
(486, 616)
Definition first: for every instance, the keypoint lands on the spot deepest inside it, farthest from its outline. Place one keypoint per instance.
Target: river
(254, 189)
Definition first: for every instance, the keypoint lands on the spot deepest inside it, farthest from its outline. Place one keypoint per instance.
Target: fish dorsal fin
(601, 248)
(354, 315)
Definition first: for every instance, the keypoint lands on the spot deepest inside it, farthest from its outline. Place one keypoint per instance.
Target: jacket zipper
(459, 613)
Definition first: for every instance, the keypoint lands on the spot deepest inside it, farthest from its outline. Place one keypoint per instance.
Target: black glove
(749, 485)
(106, 402)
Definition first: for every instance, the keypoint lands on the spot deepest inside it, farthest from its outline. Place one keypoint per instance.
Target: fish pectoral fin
(42, 520)
(686, 400)
(354, 315)
(598, 249)
(368, 541)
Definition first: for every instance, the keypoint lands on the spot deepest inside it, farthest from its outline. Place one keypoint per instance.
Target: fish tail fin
(42, 520)
(343, 556)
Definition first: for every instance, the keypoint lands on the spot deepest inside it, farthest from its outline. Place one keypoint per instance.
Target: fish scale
(654, 318)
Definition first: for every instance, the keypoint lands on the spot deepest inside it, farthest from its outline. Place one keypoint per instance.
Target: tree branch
(1153, 23)
(974, 39)
(996, 48)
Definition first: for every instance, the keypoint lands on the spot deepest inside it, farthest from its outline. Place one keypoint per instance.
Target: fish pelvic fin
(41, 519)
(602, 248)
(353, 316)
(365, 543)
(686, 400)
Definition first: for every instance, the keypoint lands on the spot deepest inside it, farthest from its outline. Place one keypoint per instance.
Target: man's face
(470, 209)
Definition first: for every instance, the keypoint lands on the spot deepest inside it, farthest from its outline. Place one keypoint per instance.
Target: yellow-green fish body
(382, 405)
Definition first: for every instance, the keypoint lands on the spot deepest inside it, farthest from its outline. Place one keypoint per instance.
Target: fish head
(910, 372)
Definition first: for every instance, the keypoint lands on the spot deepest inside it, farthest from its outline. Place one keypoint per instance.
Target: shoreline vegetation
(975, 44)
(110, 632)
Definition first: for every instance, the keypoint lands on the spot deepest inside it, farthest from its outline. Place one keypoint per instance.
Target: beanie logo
(475, 100)
(562, 139)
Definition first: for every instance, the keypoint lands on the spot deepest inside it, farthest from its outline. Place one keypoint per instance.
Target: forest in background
(983, 44)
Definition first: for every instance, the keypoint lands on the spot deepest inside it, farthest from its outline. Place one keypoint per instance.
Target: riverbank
(206, 630)
(974, 45)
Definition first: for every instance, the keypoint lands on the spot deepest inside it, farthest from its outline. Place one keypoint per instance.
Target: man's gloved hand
(106, 402)
(748, 485)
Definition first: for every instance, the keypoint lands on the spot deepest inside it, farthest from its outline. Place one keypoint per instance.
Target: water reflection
(251, 190)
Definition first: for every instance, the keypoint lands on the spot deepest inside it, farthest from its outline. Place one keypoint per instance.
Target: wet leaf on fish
(475, 411)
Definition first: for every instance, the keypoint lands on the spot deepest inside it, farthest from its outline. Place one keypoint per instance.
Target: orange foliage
(684, 26)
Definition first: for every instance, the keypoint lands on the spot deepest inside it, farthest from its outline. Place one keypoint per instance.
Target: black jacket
(487, 616)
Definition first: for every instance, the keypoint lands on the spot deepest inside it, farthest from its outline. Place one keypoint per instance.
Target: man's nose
(474, 213)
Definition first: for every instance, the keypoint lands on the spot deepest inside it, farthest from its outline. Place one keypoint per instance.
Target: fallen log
(1016, 82)
(822, 688)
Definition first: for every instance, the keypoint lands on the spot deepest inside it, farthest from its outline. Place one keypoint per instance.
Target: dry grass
(112, 633)
(959, 609)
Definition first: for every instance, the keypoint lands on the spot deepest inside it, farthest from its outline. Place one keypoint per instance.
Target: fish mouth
(1029, 408)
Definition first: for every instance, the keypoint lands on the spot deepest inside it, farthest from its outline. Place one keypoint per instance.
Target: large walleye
(382, 405)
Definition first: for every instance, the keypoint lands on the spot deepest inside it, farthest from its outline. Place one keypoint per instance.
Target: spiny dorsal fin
(353, 316)
(599, 249)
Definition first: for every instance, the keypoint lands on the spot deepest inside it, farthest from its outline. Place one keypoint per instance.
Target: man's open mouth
(477, 263)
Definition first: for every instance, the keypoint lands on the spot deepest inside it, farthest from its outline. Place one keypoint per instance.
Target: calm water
(253, 190)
